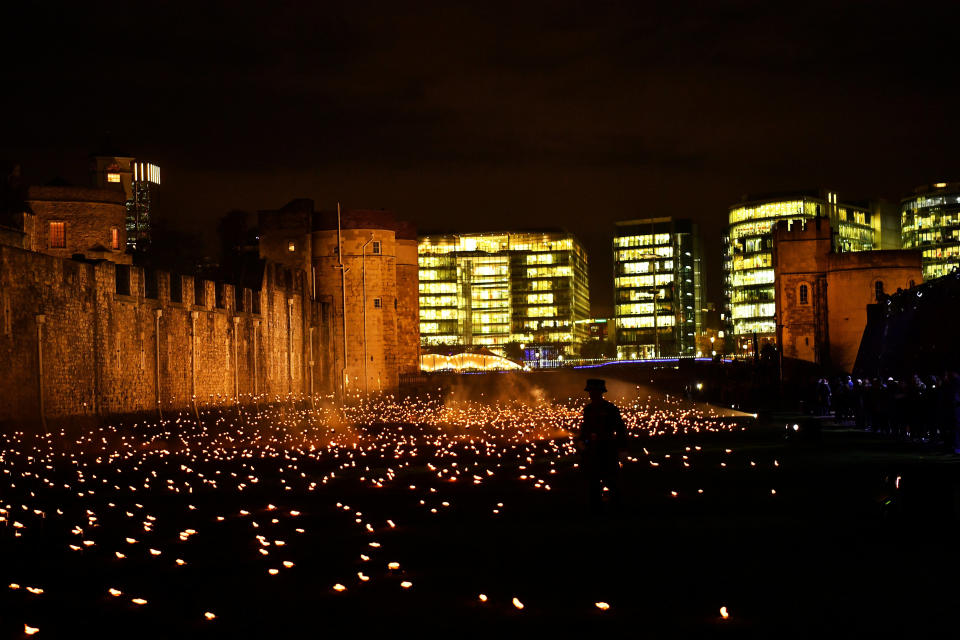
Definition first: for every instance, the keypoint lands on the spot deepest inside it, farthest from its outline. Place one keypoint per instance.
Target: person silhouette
(601, 439)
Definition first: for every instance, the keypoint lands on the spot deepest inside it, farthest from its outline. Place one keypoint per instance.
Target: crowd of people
(921, 408)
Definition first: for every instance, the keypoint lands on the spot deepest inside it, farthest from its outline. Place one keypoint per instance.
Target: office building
(930, 220)
(658, 294)
(490, 289)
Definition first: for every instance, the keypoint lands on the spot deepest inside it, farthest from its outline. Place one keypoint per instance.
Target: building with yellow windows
(749, 291)
(658, 296)
(930, 220)
(491, 289)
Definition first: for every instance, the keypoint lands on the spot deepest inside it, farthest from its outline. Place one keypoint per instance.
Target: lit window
(376, 246)
(115, 238)
(113, 177)
(291, 247)
(58, 235)
(804, 294)
(377, 303)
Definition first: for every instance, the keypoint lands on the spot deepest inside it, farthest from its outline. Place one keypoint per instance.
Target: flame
(209, 616)
(517, 603)
(603, 606)
(27, 629)
(723, 613)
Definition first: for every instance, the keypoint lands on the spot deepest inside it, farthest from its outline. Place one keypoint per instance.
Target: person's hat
(596, 384)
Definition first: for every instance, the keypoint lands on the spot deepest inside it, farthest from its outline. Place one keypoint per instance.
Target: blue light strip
(651, 360)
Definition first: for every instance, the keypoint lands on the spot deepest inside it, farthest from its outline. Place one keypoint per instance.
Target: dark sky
(499, 115)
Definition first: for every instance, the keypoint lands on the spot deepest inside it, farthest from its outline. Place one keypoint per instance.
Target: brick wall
(99, 347)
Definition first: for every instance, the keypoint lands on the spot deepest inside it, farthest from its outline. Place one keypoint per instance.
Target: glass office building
(658, 294)
(930, 221)
(749, 301)
(491, 289)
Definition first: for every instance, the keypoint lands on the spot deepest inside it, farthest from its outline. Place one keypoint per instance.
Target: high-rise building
(658, 294)
(749, 298)
(491, 289)
(140, 182)
(931, 222)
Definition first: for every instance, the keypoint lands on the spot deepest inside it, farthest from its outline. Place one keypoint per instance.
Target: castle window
(291, 247)
(122, 278)
(912, 284)
(113, 177)
(58, 235)
(114, 238)
(804, 294)
(878, 289)
(377, 303)
(376, 247)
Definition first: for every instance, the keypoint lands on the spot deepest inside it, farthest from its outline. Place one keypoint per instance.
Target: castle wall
(99, 341)
(408, 307)
(851, 287)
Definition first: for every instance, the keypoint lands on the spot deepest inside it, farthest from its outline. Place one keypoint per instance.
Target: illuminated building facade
(658, 295)
(930, 220)
(749, 291)
(491, 289)
(140, 182)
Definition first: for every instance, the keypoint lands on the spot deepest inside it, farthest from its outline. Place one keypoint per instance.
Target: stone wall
(86, 336)
(408, 307)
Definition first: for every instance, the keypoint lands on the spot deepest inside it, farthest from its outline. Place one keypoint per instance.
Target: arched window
(804, 294)
(912, 284)
(878, 289)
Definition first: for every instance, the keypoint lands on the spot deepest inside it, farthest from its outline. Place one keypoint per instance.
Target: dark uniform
(603, 435)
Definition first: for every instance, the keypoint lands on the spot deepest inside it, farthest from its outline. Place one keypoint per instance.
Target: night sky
(499, 115)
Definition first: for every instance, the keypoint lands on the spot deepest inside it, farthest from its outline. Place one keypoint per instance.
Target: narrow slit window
(804, 294)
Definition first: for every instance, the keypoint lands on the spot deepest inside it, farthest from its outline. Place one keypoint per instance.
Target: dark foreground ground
(794, 539)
